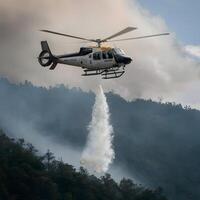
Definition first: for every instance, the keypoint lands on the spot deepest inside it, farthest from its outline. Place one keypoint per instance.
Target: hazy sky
(180, 16)
(166, 67)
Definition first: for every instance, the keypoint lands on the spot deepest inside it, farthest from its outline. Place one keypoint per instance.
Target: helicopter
(101, 60)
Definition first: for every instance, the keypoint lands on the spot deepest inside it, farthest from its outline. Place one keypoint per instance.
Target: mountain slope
(158, 144)
(25, 175)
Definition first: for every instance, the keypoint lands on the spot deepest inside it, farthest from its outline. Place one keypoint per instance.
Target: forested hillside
(24, 174)
(158, 144)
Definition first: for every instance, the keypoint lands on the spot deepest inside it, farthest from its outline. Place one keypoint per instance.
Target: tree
(48, 158)
(23, 176)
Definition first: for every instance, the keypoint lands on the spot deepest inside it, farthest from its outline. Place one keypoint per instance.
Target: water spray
(98, 153)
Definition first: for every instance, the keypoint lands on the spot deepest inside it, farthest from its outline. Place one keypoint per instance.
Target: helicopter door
(97, 60)
(90, 61)
(107, 59)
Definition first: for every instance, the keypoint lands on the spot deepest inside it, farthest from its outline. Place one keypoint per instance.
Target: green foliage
(25, 175)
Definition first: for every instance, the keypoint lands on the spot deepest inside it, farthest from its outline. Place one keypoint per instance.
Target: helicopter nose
(123, 59)
(127, 60)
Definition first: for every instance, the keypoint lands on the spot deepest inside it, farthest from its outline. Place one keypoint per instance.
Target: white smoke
(160, 67)
(98, 153)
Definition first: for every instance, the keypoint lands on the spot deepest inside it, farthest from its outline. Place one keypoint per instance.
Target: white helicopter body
(105, 61)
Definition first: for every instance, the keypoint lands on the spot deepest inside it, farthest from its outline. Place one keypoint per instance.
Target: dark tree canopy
(26, 175)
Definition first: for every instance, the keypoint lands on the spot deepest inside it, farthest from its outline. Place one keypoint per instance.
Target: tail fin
(45, 47)
(49, 59)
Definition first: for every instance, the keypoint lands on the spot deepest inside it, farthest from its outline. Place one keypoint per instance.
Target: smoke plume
(98, 153)
(160, 67)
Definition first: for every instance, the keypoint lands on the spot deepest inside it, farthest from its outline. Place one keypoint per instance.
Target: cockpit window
(119, 51)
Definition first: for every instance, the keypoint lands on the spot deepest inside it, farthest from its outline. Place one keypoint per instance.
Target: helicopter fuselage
(96, 58)
(105, 61)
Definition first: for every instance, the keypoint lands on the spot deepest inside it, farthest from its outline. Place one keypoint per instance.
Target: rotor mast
(98, 41)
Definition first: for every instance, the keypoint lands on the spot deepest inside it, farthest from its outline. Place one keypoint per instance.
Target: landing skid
(105, 73)
(89, 72)
(113, 74)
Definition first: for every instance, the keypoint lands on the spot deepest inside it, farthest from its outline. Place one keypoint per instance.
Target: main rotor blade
(126, 30)
(72, 36)
(135, 38)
